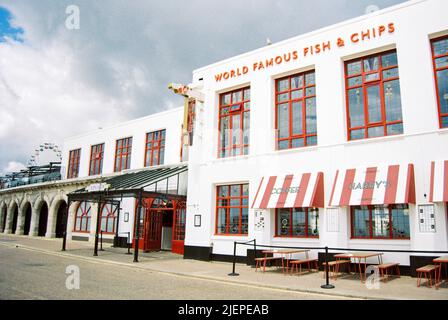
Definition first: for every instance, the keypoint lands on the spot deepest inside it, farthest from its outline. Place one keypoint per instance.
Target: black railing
(325, 250)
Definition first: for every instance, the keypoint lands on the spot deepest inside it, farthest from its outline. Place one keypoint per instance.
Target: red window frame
(123, 149)
(84, 214)
(363, 86)
(227, 207)
(434, 58)
(304, 88)
(155, 146)
(290, 234)
(108, 212)
(180, 221)
(370, 208)
(96, 159)
(228, 110)
(73, 163)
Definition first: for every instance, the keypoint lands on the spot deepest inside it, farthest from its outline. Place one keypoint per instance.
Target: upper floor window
(123, 154)
(373, 96)
(234, 123)
(440, 60)
(73, 163)
(295, 111)
(155, 148)
(232, 209)
(96, 159)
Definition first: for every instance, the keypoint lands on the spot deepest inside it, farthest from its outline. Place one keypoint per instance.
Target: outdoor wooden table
(285, 254)
(438, 262)
(359, 256)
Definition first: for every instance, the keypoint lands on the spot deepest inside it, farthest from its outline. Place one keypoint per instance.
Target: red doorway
(162, 225)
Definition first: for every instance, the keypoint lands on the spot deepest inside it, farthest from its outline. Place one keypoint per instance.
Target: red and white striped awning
(439, 181)
(290, 191)
(374, 185)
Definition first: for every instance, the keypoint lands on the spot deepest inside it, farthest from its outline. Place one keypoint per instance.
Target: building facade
(336, 138)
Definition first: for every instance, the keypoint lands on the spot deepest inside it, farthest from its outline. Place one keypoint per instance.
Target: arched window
(108, 217)
(161, 203)
(83, 217)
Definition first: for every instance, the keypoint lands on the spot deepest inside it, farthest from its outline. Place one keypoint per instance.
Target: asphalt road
(27, 274)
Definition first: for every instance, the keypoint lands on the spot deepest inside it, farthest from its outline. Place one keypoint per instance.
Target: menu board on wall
(426, 218)
(259, 220)
(332, 219)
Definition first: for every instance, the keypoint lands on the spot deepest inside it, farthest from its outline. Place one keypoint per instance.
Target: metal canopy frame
(127, 185)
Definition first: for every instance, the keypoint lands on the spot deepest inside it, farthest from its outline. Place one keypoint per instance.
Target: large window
(232, 209)
(373, 96)
(234, 123)
(295, 111)
(297, 222)
(83, 217)
(96, 159)
(123, 154)
(155, 148)
(108, 217)
(440, 60)
(380, 222)
(73, 163)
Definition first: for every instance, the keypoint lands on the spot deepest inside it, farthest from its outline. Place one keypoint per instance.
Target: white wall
(422, 142)
(170, 120)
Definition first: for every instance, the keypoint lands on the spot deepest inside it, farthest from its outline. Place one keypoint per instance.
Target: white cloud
(13, 166)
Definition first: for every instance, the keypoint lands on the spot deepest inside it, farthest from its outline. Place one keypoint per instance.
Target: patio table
(438, 262)
(285, 254)
(359, 257)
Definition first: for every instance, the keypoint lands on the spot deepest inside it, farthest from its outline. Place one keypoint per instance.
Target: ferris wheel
(44, 148)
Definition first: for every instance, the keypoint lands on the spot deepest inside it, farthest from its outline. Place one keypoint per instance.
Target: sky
(58, 81)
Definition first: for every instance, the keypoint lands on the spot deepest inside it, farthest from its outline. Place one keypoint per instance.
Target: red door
(154, 230)
(179, 228)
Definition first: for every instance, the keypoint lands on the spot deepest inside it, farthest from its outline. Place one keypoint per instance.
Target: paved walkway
(166, 262)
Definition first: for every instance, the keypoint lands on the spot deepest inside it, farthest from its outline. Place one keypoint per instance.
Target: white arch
(52, 215)
(9, 216)
(21, 216)
(3, 214)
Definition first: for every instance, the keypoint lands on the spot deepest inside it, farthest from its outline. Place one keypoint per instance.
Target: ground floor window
(108, 218)
(232, 209)
(297, 222)
(380, 222)
(83, 217)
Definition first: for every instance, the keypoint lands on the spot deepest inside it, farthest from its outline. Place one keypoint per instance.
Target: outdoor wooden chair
(333, 267)
(427, 272)
(385, 268)
(297, 265)
(262, 261)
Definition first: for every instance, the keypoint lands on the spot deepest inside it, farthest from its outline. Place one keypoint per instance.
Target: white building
(143, 153)
(340, 132)
(336, 138)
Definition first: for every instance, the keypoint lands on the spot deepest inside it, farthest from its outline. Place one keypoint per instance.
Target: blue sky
(6, 30)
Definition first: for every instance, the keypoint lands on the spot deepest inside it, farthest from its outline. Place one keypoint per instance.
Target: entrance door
(154, 231)
(179, 228)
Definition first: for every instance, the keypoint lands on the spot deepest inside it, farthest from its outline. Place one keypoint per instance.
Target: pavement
(269, 285)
